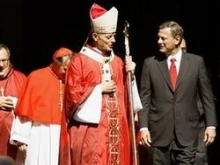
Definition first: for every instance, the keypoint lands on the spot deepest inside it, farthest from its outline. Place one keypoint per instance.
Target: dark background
(33, 30)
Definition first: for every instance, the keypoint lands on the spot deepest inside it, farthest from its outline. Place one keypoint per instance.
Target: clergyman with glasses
(11, 82)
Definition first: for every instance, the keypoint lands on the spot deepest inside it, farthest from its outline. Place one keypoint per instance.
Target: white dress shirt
(177, 57)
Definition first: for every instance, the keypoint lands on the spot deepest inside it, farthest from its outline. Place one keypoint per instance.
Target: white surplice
(42, 139)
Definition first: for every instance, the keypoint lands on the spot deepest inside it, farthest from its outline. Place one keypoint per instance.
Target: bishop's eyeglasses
(4, 61)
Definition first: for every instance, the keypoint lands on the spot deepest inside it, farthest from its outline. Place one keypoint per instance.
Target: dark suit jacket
(165, 111)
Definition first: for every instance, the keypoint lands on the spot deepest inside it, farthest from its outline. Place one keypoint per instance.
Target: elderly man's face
(4, 63)
(104, 42)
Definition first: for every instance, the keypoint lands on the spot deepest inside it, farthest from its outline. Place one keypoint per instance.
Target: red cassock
(12, 85)
(107, 142)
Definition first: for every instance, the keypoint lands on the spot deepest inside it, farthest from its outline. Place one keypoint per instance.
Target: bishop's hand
(108, 86)
(129, 64)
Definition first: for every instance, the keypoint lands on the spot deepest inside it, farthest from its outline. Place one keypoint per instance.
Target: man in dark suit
(170, 83)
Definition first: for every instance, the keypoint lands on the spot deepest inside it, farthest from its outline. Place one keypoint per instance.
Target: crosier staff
(131, 104)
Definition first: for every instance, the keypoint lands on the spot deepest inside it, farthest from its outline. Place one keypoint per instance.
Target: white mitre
(103, 21)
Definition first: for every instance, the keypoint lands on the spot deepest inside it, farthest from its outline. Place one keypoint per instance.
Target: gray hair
(3, 46)
(176, 29)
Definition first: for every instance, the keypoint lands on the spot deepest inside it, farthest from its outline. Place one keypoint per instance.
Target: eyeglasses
(4, 61)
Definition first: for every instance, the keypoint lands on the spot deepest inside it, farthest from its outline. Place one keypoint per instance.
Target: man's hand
(108, 87)
(145, 138)
(129, 64)
(6, 103)
(210, 134)
(23, 147)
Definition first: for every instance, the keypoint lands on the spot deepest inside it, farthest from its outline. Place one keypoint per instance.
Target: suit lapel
(165, 72)
(184, 66)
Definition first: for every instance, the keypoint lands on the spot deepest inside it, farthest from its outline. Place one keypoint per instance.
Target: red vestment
(11, 85)
(40, 98)
(92, 143)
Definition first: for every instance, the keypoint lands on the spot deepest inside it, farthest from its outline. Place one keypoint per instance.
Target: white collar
(95, 54)
(177, 56)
